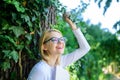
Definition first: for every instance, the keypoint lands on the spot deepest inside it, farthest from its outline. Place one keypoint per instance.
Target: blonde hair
(43, 38)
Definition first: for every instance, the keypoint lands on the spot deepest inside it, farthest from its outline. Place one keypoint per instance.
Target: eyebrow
(48, 40)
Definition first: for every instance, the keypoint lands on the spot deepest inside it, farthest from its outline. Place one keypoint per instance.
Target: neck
(52, 61)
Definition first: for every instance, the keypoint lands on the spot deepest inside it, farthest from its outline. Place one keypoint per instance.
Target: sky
(95, 14)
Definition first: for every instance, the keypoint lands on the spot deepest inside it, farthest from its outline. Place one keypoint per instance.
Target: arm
(78, 53)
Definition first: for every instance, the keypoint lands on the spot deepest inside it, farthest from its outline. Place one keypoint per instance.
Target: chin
(62, 52)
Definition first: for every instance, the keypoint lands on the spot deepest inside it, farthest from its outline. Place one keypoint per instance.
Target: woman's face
(54, 44)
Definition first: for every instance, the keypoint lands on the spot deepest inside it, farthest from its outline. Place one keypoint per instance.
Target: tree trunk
(49, 19)
(45, 24)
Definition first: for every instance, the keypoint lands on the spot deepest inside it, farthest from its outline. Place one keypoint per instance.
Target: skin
(57, 49)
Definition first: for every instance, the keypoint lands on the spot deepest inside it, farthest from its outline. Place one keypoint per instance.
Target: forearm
(79, 35)
(83, 44)
(72, 25)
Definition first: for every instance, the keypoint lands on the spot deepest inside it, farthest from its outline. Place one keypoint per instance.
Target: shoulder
(41, 66)
(39, 70)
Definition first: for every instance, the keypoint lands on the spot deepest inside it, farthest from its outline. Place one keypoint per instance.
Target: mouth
(59, 47)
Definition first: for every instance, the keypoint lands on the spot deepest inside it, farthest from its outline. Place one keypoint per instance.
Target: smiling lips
(59, 47)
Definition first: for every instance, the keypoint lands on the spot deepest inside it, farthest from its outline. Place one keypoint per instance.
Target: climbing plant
(22, 22)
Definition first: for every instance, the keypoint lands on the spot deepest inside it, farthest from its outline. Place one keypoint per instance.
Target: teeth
(59, 47)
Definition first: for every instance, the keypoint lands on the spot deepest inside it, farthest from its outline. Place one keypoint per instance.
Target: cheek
(64, 45)
(51, 46)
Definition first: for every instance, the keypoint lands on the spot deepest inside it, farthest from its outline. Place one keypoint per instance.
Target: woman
(52, 45)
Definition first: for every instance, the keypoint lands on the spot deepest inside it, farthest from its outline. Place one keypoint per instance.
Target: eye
(54, 39)
(63, 39)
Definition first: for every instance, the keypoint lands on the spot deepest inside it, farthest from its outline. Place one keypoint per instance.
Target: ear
(44, 47)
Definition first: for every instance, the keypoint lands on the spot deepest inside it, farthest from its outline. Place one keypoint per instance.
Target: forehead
(55, 34)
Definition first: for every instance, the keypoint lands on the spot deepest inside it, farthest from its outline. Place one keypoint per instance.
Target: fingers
(66, 16)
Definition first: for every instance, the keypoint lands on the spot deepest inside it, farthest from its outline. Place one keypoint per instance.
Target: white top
(42, 71)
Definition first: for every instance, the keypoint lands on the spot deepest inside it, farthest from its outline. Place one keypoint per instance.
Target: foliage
(106, 7)
(117, 26)
(20, 24)
(107, 4)
(16, 28)
(104, 51)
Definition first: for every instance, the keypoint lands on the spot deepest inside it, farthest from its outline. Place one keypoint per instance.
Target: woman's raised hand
(66, 17)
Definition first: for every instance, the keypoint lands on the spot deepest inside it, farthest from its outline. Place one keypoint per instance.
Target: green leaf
(6, 54)
(17, 30)
(33, 18)
(28, 36)
(14, 55)
(18, 6)
(30, 23)
(8, 1)
(21, 46)
(5, 26)
(11, 55)
(14, 16)
(26, 18)
(11, 40)
(5, 65)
